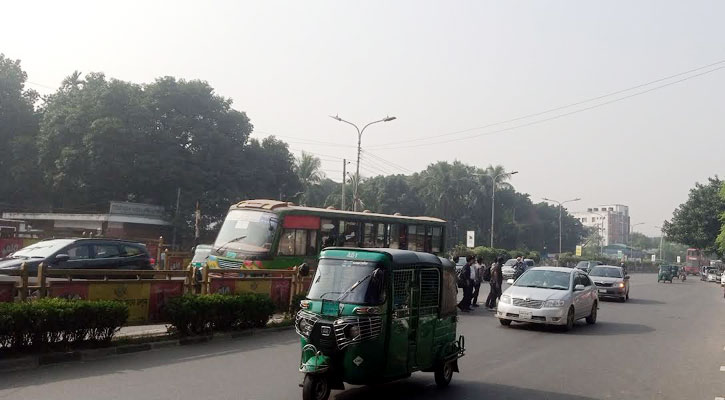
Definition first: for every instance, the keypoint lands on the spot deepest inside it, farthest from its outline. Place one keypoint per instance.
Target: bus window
(394, 236)
(328, 232)
(413, 238)
(298, 242)
(427, 243)
(380, 237)
(369, 235)
(351, 235)
(436, 240)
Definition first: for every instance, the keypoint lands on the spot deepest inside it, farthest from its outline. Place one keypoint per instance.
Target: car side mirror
(510, 281)
(578, 288)
(61, 258)
(304, 269)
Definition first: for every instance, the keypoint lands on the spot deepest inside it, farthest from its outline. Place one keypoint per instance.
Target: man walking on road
(495, 283)
(467, 285)
(477, 272)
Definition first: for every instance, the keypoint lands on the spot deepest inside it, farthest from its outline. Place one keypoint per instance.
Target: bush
(49, 323)
(193, 314)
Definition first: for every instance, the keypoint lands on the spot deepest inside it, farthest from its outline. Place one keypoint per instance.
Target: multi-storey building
(611, 221)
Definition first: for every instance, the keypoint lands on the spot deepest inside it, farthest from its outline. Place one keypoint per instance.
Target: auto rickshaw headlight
(352, 331)
(305, 326)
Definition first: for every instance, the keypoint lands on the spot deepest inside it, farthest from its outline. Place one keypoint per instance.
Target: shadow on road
(459, 389)
(582, 328)
(641, 301)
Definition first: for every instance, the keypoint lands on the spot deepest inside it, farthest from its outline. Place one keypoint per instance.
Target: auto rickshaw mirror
(304, 269)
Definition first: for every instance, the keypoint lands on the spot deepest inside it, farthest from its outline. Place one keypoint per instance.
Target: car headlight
(554, 303)
(506, 299)
(619, 285)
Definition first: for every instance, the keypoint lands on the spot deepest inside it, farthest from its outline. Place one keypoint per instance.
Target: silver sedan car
(611, 282)
(549, 295)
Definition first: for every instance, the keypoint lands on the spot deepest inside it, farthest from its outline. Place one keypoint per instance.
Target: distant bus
(694, 261)
(268, 234)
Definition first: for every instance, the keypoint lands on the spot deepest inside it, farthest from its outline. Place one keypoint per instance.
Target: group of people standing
(473, 274)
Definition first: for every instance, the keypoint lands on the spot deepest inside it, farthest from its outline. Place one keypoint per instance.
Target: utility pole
(561, 203)
(197, 220)
(176, 217)
(344, 177)
(493, 197)
(356, 198)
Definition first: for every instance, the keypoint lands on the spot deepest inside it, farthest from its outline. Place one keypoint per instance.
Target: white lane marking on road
(719, 398)
(722, 368)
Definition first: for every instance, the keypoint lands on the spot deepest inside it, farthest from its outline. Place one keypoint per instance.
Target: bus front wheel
(315, 387)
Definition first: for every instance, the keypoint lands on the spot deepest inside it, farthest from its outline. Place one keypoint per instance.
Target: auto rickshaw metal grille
(310, 318)
(429, 289)
(369, 328)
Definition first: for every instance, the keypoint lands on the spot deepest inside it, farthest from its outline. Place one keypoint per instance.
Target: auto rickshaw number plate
(329, 307)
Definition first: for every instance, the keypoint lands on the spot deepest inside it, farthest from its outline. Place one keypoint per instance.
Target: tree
(503, 176)
(308, 172)
(18, 132)
(696, 222)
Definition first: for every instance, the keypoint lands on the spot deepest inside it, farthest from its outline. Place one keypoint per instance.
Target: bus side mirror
(304, 269)
(378, 275)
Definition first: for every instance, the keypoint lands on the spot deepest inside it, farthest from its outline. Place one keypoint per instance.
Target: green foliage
(194, 314)
(48, 323)
(19, 177)
(696, 222)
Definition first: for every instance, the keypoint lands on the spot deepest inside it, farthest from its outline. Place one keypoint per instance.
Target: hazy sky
(439, 67)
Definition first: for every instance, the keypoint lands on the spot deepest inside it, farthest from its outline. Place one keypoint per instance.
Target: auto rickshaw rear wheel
(315, 387)
(443, 374)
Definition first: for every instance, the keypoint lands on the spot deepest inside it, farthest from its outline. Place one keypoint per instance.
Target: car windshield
(201, 253)
(544, 279)
(607, 272)
(335, 280)
(42, 249)
(247, 231)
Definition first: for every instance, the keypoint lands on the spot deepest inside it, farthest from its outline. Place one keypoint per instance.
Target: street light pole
(493, 196)
(356, 199)
(662, 237)
(630, 237)
(561, 203)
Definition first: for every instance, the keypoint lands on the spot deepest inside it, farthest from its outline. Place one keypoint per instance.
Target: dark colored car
(95, 253)
(587, 266)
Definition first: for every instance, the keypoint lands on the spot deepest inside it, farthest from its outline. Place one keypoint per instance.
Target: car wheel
(592, 318)
(569, 320)
(443, 374)
(504, 322)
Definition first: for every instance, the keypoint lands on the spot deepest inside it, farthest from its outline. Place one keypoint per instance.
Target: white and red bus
(695, 260)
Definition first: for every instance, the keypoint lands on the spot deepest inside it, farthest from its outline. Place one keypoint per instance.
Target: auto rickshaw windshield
(348, 281)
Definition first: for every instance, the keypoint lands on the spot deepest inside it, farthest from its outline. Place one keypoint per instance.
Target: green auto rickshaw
(664, 274)
(377, 315)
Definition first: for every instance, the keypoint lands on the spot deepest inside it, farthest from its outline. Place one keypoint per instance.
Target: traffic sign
(654, 258)
(578, 251)
(678, 259)
(470, 242)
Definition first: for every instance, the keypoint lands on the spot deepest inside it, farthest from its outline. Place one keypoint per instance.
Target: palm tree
(308, 172)
(502, 176)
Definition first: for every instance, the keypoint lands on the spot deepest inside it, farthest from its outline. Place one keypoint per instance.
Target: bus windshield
(248, 231)
(337, 280)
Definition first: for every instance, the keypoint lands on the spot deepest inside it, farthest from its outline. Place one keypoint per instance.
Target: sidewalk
(138, 331)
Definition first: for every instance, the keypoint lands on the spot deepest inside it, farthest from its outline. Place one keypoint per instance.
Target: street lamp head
(335, 117)
(388, 119)
(513, 173)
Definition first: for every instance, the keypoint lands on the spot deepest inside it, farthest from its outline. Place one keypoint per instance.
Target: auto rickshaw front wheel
(443, 374)
(315, 387)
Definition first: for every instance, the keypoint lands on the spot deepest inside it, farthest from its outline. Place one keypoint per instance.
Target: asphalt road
(667, 342)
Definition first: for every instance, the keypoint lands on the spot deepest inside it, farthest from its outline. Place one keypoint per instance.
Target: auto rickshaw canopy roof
(399, 258)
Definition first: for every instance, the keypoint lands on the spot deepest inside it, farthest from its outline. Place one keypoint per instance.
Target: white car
(549, 295)
(712, 276)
